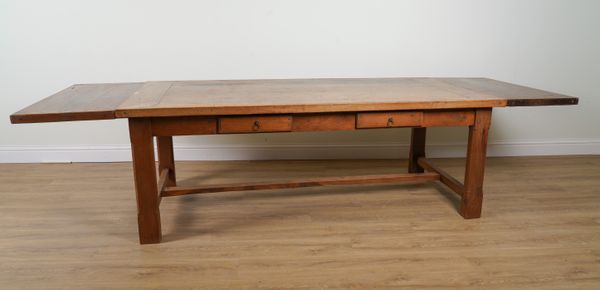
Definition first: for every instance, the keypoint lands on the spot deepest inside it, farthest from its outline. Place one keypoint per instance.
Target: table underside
(152, 187)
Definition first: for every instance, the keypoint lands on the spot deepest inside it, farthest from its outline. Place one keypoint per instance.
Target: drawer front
(389, 119)
(255, 124)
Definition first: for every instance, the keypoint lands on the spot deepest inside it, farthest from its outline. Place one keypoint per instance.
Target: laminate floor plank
(73, 226)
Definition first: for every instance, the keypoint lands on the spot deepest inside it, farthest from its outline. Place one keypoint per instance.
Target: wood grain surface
(78, 102)
(283, 96)
(72, 226)
(241, 97)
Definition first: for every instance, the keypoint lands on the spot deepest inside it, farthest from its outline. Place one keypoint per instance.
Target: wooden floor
(67, 226)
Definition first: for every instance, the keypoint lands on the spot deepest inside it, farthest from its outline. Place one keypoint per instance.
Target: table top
(279, 96)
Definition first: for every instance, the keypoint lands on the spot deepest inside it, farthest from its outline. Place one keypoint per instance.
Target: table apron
(337, 121)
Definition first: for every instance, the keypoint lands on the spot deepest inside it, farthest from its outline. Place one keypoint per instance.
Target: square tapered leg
(470, 205)
(144, 169)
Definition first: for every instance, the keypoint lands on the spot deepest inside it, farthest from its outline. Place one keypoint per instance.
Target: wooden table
(172, 108)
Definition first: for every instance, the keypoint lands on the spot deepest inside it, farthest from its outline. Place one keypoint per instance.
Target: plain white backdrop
(46, 46)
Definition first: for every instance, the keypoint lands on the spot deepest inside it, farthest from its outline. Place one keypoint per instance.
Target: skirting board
(116, 153)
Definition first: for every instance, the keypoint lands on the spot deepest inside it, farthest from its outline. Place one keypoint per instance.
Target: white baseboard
(115, 153)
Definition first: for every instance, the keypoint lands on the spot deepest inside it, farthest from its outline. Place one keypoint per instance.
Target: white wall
(48, 45)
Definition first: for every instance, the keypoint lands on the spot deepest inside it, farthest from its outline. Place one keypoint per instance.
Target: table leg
(417, 149)
(166, 159)
(470, 206)
(144, 170)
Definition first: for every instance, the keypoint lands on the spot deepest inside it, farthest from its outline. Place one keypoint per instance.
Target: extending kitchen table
(164, 109)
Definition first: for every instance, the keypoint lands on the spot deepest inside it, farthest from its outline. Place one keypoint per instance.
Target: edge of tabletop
(333, 108)
(554, 101)
(302, 108)
(546, 98)
(17, 118)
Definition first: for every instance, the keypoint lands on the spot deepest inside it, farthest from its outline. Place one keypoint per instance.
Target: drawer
(389, 119)
(255, 124)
